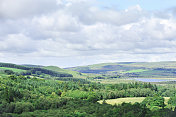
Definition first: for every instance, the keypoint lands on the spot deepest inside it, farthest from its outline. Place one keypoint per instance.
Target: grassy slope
(74, 73)
(128, 100)
(20, 68)
(53, 68)
(135, 71)
(13, 69)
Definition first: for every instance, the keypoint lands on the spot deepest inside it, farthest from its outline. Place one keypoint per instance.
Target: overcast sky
(69, 33)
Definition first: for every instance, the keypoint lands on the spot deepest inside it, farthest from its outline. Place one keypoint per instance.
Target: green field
(128, 100)
(135, 71)
(13, 69)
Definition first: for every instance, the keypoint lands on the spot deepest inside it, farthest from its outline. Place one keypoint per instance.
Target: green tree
(154, 102)
(9, 72)
(92, 97)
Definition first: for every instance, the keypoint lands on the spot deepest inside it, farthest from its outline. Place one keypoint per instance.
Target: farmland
(128, 100)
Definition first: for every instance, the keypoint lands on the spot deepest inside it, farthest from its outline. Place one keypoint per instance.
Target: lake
(153, 80)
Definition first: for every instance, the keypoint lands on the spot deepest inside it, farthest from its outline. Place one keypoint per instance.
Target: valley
(94, 90)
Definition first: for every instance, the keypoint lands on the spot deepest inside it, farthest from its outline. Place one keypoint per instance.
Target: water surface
(153, 80)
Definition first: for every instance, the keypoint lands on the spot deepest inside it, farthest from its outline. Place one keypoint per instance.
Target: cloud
(17, 43)
(58, 21)
(78, 32)
(26, 8)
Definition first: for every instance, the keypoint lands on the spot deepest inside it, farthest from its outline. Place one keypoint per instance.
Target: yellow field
(128, 100)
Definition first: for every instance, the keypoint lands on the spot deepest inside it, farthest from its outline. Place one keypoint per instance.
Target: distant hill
(28, 70)
(74, 73)
(29, 65)
(98, 71)
(165, 69)
(39, 71)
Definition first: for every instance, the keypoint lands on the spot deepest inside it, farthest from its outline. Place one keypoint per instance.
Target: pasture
(128, 100)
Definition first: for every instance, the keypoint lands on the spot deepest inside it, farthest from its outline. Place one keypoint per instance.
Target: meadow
(128, 100)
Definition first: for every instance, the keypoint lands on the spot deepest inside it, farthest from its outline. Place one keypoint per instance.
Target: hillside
(74, 73)
(132, 69)
(42, 72)
(8, 69)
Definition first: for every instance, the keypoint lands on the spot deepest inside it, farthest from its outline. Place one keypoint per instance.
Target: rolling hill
(42, 72)
(8, 68)
(74, 73)
(165, 69)
(99, 71)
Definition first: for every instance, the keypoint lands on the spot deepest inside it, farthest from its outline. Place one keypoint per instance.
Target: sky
(69, 33)
(145, 4)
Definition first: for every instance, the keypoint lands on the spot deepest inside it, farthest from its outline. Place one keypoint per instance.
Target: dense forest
(27, 97)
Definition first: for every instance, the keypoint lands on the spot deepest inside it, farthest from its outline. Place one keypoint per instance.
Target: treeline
(75, 88)
(14, 66)
(45, 71)
(136, 85)
(128, 90)
(84, 81)
(42, 103)
(35, 70)
(83, 108)
(144, 92)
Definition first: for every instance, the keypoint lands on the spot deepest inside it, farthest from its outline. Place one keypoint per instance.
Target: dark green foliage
(73, 79)
(92, 97)
(9, 72)
(23, 107)
(172, 101)
(133, 85)
(82, 108)
(154, 102)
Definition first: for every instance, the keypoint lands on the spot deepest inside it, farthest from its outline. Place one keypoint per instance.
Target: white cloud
(17, 43)
(25, 8)
(58, 21)
(77, 32)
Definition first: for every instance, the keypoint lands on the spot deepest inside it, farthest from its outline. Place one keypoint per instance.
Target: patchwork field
(131, 69)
